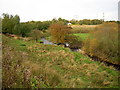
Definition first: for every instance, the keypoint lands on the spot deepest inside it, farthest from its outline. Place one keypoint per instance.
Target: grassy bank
(30, 64)
(83, 36)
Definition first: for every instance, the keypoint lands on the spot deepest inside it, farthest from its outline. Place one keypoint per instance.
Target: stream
(116, 66)
(47, 42)
(51, 43)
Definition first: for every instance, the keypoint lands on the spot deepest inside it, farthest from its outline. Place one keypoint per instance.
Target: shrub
(36, 35)
(74, 41)
(58, 32)
(103, 43)
(12, 68)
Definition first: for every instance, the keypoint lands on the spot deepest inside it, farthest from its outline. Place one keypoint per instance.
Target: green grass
(52, 66)
(83, 36)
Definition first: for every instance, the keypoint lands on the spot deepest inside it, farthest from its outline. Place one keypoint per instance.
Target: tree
(63, 21)
(9, 22)
(59, 32)
(5, 23)
(73, 21)
(90, 22)
(36, 34)
(16, 19)
(17, 29)
(25, 29)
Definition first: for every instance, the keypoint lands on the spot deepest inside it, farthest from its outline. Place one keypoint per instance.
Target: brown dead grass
(31, 65)
(48, 66)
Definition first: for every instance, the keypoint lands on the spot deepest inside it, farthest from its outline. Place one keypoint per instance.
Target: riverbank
(117, 67)
(52, 66)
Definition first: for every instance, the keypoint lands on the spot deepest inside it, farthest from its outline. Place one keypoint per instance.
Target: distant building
(68, 23)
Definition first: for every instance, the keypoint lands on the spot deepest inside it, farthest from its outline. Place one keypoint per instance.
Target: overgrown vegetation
(29, 64)
(59, 32)
(36, 35)
(36, 65)
(11, 24)
(74, 41)
(103, 43)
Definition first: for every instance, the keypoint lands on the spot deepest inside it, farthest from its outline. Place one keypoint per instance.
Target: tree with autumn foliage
(59, 32)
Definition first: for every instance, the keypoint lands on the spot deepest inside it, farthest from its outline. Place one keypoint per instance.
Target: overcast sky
(40, 10)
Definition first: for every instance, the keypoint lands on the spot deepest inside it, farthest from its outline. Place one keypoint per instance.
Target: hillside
(31, 64)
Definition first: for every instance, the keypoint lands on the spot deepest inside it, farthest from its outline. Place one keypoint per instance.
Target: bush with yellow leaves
(103, 43)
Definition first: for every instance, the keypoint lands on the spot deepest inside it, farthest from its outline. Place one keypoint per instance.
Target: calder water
(116, 66)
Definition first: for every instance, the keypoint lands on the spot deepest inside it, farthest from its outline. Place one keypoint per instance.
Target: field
(31, 64)
(83, 36)
(83, 28)
(82, 31)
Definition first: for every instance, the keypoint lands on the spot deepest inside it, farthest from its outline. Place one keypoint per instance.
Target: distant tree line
(86, 22)
(12, 25)
(89, 22)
